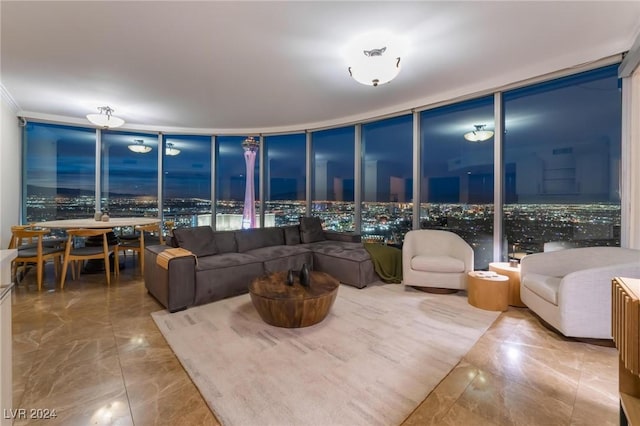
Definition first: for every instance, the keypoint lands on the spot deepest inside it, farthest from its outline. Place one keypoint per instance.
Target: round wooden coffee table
(489, 291)
(293, 306)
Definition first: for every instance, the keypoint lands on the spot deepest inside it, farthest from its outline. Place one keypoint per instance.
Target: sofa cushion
(329, 245)
(224, 275)
(198, 240)
(445, 264)
(544, 286)
(249, 239)
(225, 260)
(340, 250)
(349, 237)
(353, 267)
(291, 235)
(311, 230)
(226, 241)
(283, 258)
(275, 252)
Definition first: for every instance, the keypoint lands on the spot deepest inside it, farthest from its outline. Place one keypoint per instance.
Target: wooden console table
(625, 329)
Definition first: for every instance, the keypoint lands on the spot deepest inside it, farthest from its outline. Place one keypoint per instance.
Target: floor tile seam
(453, 404)
(124, 382)
(573, 411)
(170, 396)
(575, 396)
(456, 402)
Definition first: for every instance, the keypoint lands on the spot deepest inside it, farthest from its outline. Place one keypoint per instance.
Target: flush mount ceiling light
(105, 118)
(139, 147)
(373, 59)
(170, 150)
(479, 134)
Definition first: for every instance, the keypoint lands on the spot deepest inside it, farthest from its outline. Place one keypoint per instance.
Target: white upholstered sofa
(571, 289)
(436, 259)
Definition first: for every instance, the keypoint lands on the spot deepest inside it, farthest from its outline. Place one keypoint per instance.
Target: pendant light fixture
(170, 150)
(139, 147)
(479, 134)
(105, 118)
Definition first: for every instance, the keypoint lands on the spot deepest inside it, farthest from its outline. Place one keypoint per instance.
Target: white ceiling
(250, 67)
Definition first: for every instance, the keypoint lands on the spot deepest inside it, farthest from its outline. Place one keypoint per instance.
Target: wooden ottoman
(488, 290)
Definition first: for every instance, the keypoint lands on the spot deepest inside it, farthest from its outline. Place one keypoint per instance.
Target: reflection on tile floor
(94, 354)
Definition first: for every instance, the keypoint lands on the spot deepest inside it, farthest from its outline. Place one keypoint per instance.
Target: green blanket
(387, 262)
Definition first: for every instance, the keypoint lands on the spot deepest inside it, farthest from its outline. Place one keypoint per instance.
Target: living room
(559, 165)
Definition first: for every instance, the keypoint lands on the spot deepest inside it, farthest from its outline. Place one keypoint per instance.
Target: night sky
(569, 112)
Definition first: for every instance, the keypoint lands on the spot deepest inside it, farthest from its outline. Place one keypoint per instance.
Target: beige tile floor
(94, 354)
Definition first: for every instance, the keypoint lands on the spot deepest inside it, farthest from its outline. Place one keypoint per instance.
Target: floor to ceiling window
(457, 174)
(387, 179)
(562, 163)
(285, 179)
(561, 172)
(333, 155)
(59, 172)
(129, 174)
(187, 180)
(231, 182)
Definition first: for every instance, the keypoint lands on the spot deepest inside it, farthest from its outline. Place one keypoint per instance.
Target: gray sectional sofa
(226, 262)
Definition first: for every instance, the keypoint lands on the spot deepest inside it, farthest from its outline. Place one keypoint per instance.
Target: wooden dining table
(90, 223)
(114, 222)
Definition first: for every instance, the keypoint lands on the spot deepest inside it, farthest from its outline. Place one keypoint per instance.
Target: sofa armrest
(564, 262)
(594, 282)
(553, 264)
(347, 237)
(173, 287)
(584, 297)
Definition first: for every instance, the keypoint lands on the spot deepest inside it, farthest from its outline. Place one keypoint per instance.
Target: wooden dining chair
(147, 235)
(32, 249)
(26, 241)
(77, 251)
(22, 242)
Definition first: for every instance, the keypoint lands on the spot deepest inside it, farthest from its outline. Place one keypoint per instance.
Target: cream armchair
(436, 259)
(571, 289)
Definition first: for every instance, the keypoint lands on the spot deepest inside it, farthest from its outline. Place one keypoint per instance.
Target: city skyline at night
(528, 226)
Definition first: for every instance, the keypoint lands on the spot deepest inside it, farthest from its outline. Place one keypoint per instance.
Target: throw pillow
(170, 241)
(198, 240)
(291, 235)
(311, 230)
(250, 239)
(225, 241)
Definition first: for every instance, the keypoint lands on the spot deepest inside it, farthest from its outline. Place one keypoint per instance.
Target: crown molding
(631, 60)
(9, 99)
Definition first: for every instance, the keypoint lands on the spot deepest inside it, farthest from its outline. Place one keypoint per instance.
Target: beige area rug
(376, 356)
